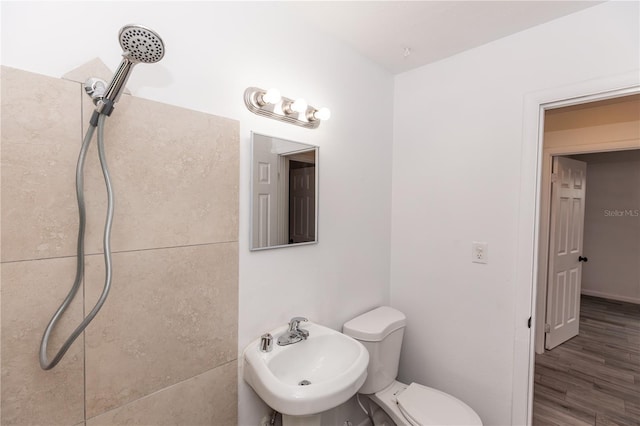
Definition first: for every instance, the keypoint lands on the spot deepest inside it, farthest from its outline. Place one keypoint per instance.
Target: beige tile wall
(200, 400)
(163, 348)
(31, 292)
(40, 143)
(170, 296)
(180, 171)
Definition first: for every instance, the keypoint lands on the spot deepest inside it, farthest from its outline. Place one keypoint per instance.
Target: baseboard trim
(635, 300)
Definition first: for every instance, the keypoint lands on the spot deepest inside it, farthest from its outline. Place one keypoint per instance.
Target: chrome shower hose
(44, 362)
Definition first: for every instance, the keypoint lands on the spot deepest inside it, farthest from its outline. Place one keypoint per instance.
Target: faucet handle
(295, 322)
(266, 342)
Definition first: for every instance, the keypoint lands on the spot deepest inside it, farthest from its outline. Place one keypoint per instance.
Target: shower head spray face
(139, 44)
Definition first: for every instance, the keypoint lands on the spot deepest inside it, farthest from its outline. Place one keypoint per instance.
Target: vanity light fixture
(270, 103)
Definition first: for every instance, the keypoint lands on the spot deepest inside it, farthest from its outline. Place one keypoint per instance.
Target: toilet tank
(380, 331)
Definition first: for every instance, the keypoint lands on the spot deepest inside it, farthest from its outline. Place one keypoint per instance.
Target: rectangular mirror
(284, 193)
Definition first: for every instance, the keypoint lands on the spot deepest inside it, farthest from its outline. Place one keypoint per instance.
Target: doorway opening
(530, 212)
(596, 127)
(605, 134)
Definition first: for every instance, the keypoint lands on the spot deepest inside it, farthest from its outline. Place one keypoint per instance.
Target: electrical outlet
(479, 252)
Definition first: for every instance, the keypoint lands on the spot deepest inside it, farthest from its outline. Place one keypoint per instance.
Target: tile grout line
(123, 251)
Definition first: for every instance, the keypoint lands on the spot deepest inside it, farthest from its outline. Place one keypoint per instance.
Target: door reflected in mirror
(284, 193)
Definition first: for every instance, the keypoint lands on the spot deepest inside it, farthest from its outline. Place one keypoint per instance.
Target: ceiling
(431, 30)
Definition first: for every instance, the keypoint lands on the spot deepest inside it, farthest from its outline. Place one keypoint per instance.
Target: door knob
(582, 259)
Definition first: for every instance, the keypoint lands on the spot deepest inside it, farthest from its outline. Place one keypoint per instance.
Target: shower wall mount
(269, 103)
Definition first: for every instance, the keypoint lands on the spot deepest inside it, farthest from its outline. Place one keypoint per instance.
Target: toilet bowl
(418, 405)
(381, 331)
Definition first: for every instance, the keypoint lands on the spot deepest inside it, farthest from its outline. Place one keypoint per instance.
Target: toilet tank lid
(375, 325)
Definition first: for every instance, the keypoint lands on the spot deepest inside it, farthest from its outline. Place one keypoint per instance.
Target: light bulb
(323, 113)
(272, 96)
(300, 105)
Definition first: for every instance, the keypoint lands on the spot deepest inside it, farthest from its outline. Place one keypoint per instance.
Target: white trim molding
(609, 296)
(535, 104)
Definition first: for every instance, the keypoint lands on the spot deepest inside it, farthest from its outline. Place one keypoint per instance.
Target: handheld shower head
(139, 44)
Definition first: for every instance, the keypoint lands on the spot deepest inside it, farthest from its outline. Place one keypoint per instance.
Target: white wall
(458, 147)
(612, 226)
(214, 50)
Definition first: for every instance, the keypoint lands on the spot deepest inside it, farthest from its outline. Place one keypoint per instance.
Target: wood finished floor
(594, 378)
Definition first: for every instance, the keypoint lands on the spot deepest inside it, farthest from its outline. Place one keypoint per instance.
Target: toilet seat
(423, 406)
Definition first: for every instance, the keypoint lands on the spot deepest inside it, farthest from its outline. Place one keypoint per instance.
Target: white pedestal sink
(304, 379)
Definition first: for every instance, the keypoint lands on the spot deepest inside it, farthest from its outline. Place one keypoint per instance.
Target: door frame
(529, 219)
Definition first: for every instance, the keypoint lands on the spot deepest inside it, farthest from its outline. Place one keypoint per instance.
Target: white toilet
(381, 331)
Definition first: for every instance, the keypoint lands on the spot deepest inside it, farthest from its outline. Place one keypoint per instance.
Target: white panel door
(565, 250)
(265, 205)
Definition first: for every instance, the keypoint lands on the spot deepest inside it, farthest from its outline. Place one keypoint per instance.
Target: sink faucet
(294, 334)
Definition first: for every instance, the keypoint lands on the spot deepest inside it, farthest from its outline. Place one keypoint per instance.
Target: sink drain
(304, 383)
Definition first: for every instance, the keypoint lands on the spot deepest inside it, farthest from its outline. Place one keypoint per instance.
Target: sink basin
(310, 376)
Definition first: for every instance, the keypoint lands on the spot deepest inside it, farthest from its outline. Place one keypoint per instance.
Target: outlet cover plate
(479, 252)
